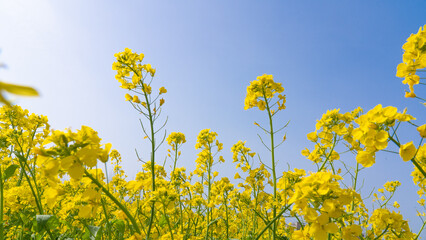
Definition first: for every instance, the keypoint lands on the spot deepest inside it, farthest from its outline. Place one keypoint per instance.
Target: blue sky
(327, 54)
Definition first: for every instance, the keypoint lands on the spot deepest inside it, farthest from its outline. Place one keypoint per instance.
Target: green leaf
(120, 226)
(42, 222)
(163, 221)
(53, 223)
(10, 171)
(93, 231)
(99, 234)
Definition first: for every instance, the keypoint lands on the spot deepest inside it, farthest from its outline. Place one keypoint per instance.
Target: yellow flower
(136, 99)
(149, 69)
(410, 95)
(313, 137)
(352, 232)
(407, 151)
(128, 97)
(147, 88)
(76, 171)
(422, 130)
(396, 204)
(88, 156)
(391, 186)
(366, 159)
(176, 138)
(163, 90)
(16, 89)
(264, 88)
(85, 211)
(51, 194)
(261, 105)
(136, 79)
(104, 155)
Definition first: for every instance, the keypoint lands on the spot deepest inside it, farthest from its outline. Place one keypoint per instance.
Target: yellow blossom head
(261, 90)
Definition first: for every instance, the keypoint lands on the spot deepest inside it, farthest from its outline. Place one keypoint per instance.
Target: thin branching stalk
(274, 175)
(115, 200)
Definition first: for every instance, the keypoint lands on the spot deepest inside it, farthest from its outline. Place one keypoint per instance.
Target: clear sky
(327, 54)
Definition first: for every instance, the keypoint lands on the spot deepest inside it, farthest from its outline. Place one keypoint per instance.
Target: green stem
(176, 156)
(209, 166)
(384, 231)
(420, 231)
(115, 200)
(227, 217)
(355, 182)
(151, 123)
(329, 155)
(168, 221)
(108, 227)
(1, 203)
(274, 175)
(421, 98)
(40, 208)
(272, 221)
(418, 167)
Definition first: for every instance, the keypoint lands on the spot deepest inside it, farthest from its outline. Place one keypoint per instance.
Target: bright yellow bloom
(352, 232)
(366, 159)
(163, 90)
(396, 204)
(407, 151)
(414, 58)
(16, 89)
(391, 186)
(205, 138)
(313, 137)
(136, 99)
(422, 130)
(149, 69)
(176, 138)
(147, 88)
(264, 88)
(85, 211)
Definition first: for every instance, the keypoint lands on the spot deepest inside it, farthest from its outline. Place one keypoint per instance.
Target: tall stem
(114, 199)
(272, 221)
(227, 217)
(354, 184)
(37, 200)
(209, 165)
(1, 203)
(151, 123)
(168, 221)
(274, 175)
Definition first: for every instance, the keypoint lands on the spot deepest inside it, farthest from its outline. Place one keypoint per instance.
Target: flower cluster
(261, 90)
(332, 128)
(323, 204)
(373, 129)
(414, 58)
(53, 185)
(388, 224)
(241, 154)
(176, 138)
(129, 67)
